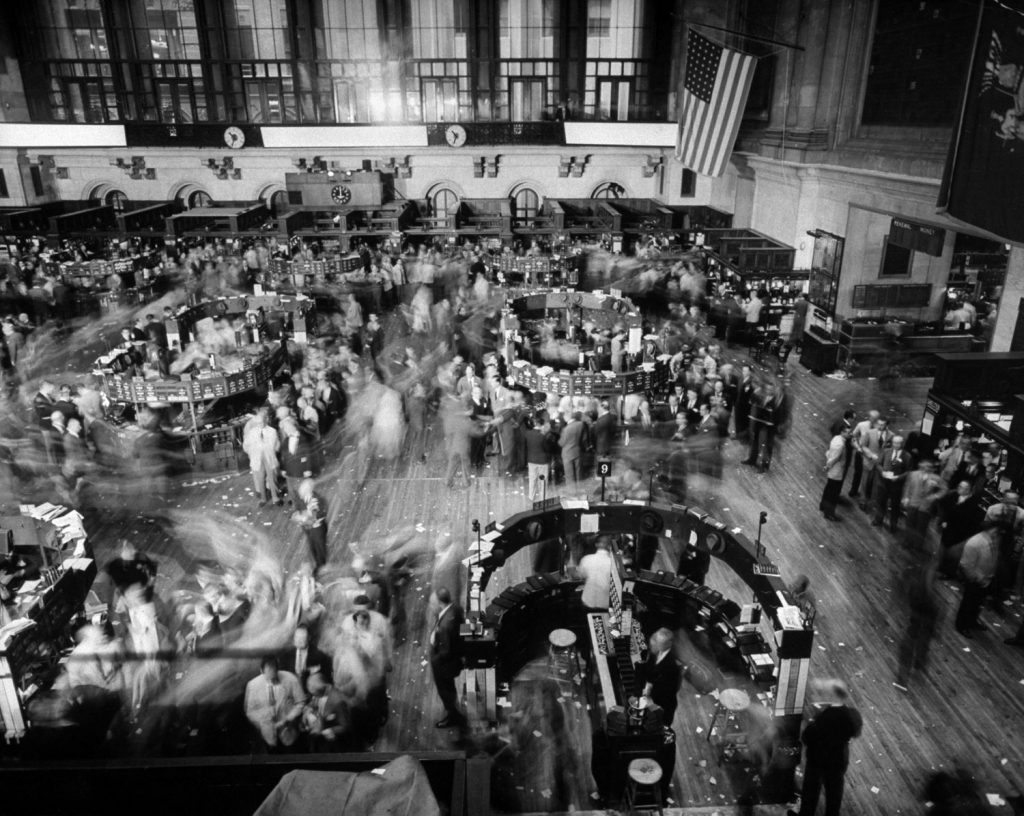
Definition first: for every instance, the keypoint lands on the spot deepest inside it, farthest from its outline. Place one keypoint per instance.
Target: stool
(563, 658)
(730, 706)
(643, 791)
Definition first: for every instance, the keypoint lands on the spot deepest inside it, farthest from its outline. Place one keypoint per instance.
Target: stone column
(1009, 303)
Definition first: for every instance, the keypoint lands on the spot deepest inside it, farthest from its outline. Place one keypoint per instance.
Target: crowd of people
(234, 659)
(953, 514)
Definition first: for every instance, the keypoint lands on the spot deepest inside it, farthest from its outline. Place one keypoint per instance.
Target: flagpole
(747, 36)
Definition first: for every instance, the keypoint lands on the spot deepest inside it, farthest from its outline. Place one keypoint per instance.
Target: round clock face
(340, 195)
(234, 137)
(455, 135)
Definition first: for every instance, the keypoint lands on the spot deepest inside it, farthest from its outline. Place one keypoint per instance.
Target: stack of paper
(46, 511)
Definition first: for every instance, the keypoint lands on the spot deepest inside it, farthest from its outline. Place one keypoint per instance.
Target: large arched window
(117, 199)
(444, 201)
(199, 198)
(609, 189)
(525, 203)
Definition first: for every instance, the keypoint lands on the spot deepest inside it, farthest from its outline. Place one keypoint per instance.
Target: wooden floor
(968, 709)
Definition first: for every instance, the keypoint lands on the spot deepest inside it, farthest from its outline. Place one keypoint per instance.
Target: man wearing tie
(445, 660)
(893, 469)
(274, 701)
(873, 443)
(661, 674)
(303, 659)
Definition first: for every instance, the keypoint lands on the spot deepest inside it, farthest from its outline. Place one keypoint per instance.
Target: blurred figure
(922, 490)
(459, 431)
(826, 740)
(596, 571)
(800, 589)
(313, 520)
(955, 793)
(978, 566)
(918, 582)
(326, 717)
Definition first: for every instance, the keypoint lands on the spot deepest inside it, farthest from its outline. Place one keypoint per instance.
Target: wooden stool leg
(714, 719)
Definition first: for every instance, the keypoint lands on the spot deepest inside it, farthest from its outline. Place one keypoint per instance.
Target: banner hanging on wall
(983, 183)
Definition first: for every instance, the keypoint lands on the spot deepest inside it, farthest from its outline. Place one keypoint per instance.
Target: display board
(892, 296)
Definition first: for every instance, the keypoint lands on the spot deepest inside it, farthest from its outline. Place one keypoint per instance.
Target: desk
(28, 657)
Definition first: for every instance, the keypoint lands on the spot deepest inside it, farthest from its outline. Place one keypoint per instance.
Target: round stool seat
(734, 699)
(562, 638)
(644, 771)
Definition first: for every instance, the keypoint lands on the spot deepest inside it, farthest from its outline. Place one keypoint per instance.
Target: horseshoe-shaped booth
(294, 315)
(498, 641)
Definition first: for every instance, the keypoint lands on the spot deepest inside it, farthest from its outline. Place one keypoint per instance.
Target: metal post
(469, 583)
(760, 523)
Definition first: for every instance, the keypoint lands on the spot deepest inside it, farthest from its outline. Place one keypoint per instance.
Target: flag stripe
(707, 130)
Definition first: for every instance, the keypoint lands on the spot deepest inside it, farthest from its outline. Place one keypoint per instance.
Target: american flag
(714, 95)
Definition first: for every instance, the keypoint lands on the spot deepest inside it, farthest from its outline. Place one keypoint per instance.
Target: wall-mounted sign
(919, 237)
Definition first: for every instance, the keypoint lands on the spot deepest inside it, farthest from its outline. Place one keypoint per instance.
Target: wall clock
(234, 137)
(455, 135)
(340, 194)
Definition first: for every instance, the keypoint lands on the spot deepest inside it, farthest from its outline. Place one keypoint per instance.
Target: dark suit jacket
(604, 433)
(899, 462)
(445, 652)
(315, 659)
(664, 678)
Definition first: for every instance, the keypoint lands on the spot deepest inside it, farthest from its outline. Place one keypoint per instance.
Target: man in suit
(571, 443)
(661, 674)
(952, 457)
(834, 474)
(846, 421)
(873, 442)
(604, 430)
(303, 658)
(762, 428)
(893, 469)
(156, 332)
(859, 430)
(537, 455)
(445, 657)
(826, 741)
(741, 404)
(327, 716)
(970, 470)
(273, 704)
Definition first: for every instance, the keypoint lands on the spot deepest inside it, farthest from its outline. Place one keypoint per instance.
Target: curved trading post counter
(592, 378)
(505, 637)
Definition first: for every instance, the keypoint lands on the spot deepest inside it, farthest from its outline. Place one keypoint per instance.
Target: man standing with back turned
(827, 751)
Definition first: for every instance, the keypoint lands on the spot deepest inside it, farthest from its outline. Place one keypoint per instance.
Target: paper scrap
(995, 799)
